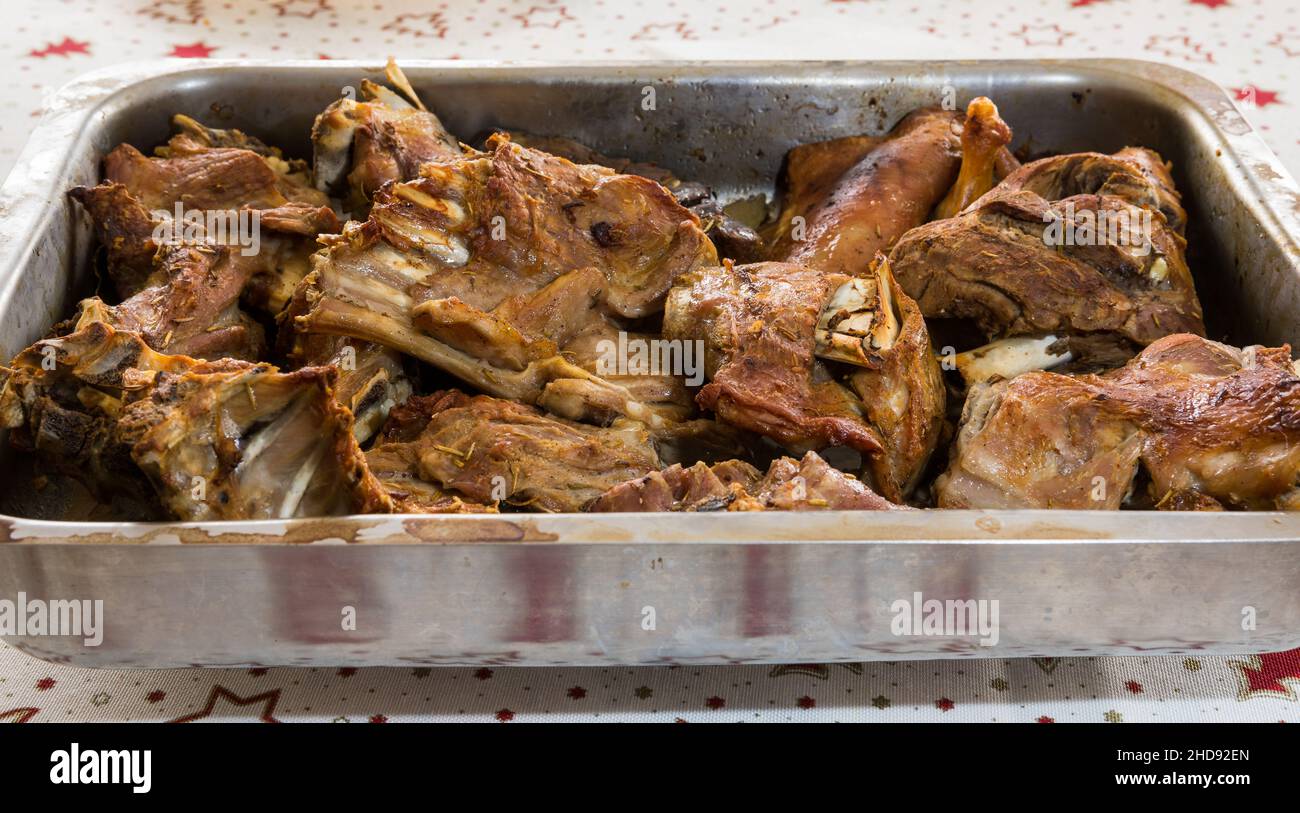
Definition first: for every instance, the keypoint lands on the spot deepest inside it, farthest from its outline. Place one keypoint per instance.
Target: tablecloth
(1250, 46)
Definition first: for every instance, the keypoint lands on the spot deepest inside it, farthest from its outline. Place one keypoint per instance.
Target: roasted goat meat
(250, 443)
(491, 266)
(1079, 255)
(789, 485)
(220, 188)
(733, 239)
(358, 146)
(1187, 424)
(450, 452)
(62, 399)
(770, 328)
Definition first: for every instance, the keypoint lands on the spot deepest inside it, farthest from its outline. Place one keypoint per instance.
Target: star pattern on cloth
(64, 49)
(268, 700)
(19, 715)
(1273, 674)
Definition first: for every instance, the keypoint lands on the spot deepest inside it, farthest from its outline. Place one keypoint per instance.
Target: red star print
(68, 46)
(20, 715)
(543, 17)
(1274, 674)
(1288, 42)
(1209, 3)
(196, 50)
(483, 673)
(577, 692)
(805, 702)
(45, 683)
(1081, 3)
(1042, 34)
(419, 25)
(258, 671)
(155, 695)
(267, 699)
(1134, 687)
(505, 715)
(347, 671)
(301, 8)
(1254, 96)
(1179, 48)
(183, 12)
(378, 718)
(658, 31)
(1044, 719)
(944, 704)
(715, 702)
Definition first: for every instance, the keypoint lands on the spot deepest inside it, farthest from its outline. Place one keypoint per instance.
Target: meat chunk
(362, 145)
(211, 187)
(491, 266)
(1087, 266)
(733, 239)
(770, 328)
(192, 308)
(485, 451)
(251, 443)
(789, 485)
(62, 398)
(1206, 425)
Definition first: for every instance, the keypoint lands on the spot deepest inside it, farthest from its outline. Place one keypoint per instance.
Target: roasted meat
(485, 451)
(384, 137)
(789, 485)
(1202, 424)
(489, 267)
(62, 398)
(250, 443)
(770, 328)
(209, 187)
(733, 239)
(984, 138)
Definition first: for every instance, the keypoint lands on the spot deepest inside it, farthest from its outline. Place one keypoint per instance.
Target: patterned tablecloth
(1251, 46)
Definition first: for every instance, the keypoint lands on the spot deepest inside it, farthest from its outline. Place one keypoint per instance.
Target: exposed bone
(984, 136)
(860, 321)
(1008, 358)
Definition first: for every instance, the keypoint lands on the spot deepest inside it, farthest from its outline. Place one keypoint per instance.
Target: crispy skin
(385, 137)
(789, 485)
(1134, 174)
(993, 264)
(484, 450)
(62, 397)
(892, 188)
(490, 266)
(252, 443)
(733, 239)
(1212, 426)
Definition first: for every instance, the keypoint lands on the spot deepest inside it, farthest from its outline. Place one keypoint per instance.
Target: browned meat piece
(62, 398)
(1209, 425)
(208, 173)
(487, 451)
(192, 308)
(490, 266)
(767, 326)
(1134, 174)
(1018, 265)
(385, 137)
(733, 239)
(699, 488)
(892, 188)
(789, 485)
(984, 137)
(251, 443)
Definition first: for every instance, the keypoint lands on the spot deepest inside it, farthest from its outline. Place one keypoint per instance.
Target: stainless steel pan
(675, 588)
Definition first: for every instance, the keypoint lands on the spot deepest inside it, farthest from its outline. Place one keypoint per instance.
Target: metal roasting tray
(578, 589)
